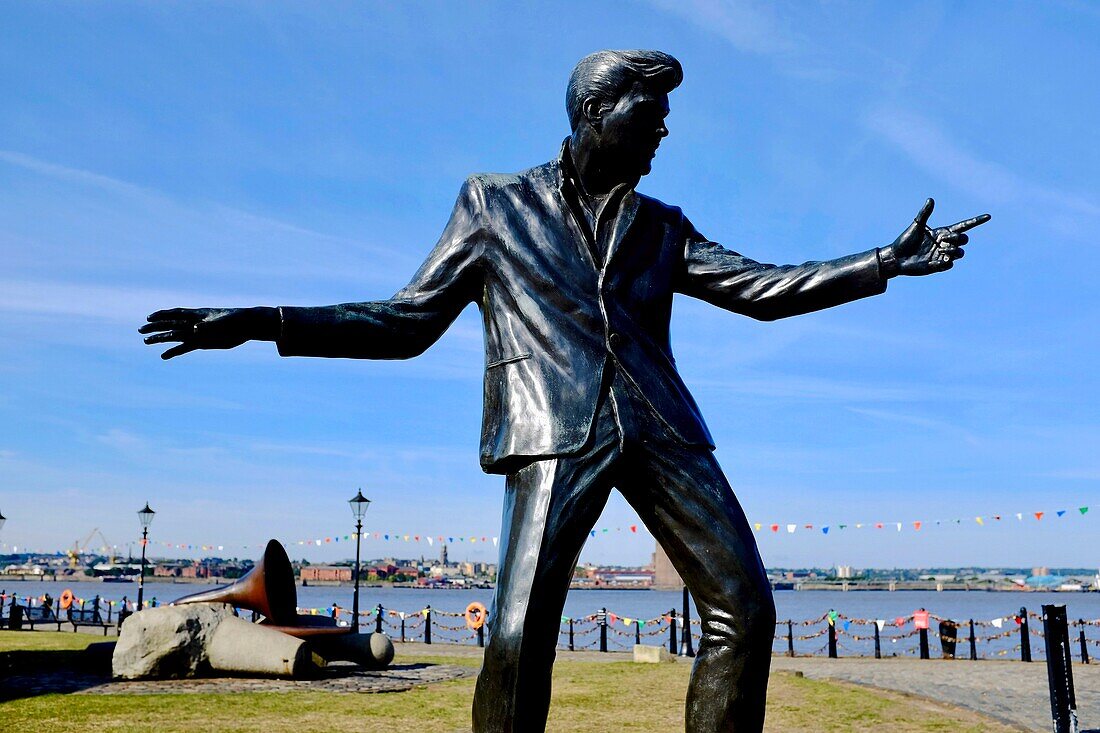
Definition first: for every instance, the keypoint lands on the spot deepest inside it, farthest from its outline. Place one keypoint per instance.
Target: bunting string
(765, 528)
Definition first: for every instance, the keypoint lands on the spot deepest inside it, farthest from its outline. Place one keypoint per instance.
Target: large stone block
(651, 654)
(240, 647)
(167, 641)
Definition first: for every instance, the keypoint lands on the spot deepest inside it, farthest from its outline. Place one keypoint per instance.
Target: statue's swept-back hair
(607, 75)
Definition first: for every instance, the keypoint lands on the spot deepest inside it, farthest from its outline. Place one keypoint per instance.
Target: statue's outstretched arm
(767, 292)
(398, 328)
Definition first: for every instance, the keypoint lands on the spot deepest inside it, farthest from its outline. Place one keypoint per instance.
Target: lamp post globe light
(358, 504)
(145, 516)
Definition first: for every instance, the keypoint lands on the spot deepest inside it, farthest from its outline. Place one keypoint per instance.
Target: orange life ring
(66, 599)
(475, 616)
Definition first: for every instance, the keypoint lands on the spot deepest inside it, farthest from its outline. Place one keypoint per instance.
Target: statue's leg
(684, 499)
(549, 508)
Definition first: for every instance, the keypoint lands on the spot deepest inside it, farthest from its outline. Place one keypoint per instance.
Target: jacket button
(615, 339)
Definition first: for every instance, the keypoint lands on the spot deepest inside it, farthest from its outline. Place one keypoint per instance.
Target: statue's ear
(593, 112)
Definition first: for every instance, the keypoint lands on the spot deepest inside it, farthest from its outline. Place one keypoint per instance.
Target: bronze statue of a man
(574, 273)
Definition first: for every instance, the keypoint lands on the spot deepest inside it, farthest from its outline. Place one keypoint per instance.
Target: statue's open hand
(920, 250)
(208, 328)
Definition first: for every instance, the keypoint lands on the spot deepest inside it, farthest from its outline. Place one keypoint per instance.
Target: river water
(805, 608)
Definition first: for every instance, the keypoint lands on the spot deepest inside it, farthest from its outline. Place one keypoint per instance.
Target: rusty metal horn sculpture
(268, 588)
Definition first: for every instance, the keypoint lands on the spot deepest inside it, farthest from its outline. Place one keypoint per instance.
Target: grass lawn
(589, 697)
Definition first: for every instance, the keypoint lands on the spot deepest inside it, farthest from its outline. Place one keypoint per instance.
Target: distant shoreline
(783, 586)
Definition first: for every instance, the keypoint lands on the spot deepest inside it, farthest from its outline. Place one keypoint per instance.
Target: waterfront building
(665, 576)
(326, 574)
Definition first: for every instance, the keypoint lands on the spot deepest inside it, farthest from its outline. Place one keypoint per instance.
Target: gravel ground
(1013, 692)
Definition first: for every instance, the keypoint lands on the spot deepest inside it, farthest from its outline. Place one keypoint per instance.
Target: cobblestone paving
(336, 677)
(1013, 692)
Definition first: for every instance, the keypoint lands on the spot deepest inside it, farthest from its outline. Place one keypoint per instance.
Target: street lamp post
(145, 515)
(358, 504)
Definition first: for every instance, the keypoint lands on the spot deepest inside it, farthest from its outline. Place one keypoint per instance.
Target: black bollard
(428, 625)
(973, 643)
(686, 648)
(832, 638)
(402, 628)
(1084, 643)
(481, 635)
(637, 632)
(571, 647)
(1025, 638)
(924, 643)
(949, 638)
(601, 617)
(378, 619)
(671, 631)
(790, 638)
(15, 618)
(1063, 702)
(878, 644)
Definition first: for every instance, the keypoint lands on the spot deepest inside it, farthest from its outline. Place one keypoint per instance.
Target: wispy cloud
(929, 146)
(119, 439)
(940, 426)
(107, 183)
(1075, 474)
(204, 237)
(97, 302)
(784, 386)
(751, 27)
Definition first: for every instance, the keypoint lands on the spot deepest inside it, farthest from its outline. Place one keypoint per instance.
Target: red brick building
(326, 573)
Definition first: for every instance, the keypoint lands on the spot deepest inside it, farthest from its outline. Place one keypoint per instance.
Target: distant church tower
(665, 576)
(443, 555)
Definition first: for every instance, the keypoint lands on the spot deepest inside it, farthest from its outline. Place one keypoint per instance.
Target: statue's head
(618, 101)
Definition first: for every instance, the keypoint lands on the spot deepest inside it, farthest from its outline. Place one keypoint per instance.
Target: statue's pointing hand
(209, 328)
(920, 250)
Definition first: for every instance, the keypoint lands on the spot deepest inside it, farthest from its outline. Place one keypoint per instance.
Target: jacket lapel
(622, 202)
(574, 220)
(624, 217)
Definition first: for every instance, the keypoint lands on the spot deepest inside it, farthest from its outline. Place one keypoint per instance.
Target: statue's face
(632, 130)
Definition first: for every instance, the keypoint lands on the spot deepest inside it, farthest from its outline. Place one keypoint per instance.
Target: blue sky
(170, 153)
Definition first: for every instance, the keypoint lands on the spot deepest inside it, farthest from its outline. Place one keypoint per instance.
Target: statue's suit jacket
(559, 303)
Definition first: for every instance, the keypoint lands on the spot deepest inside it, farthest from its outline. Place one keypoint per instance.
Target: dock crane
(80, 547)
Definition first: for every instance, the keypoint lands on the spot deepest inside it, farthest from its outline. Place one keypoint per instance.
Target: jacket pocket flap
(508, 360)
